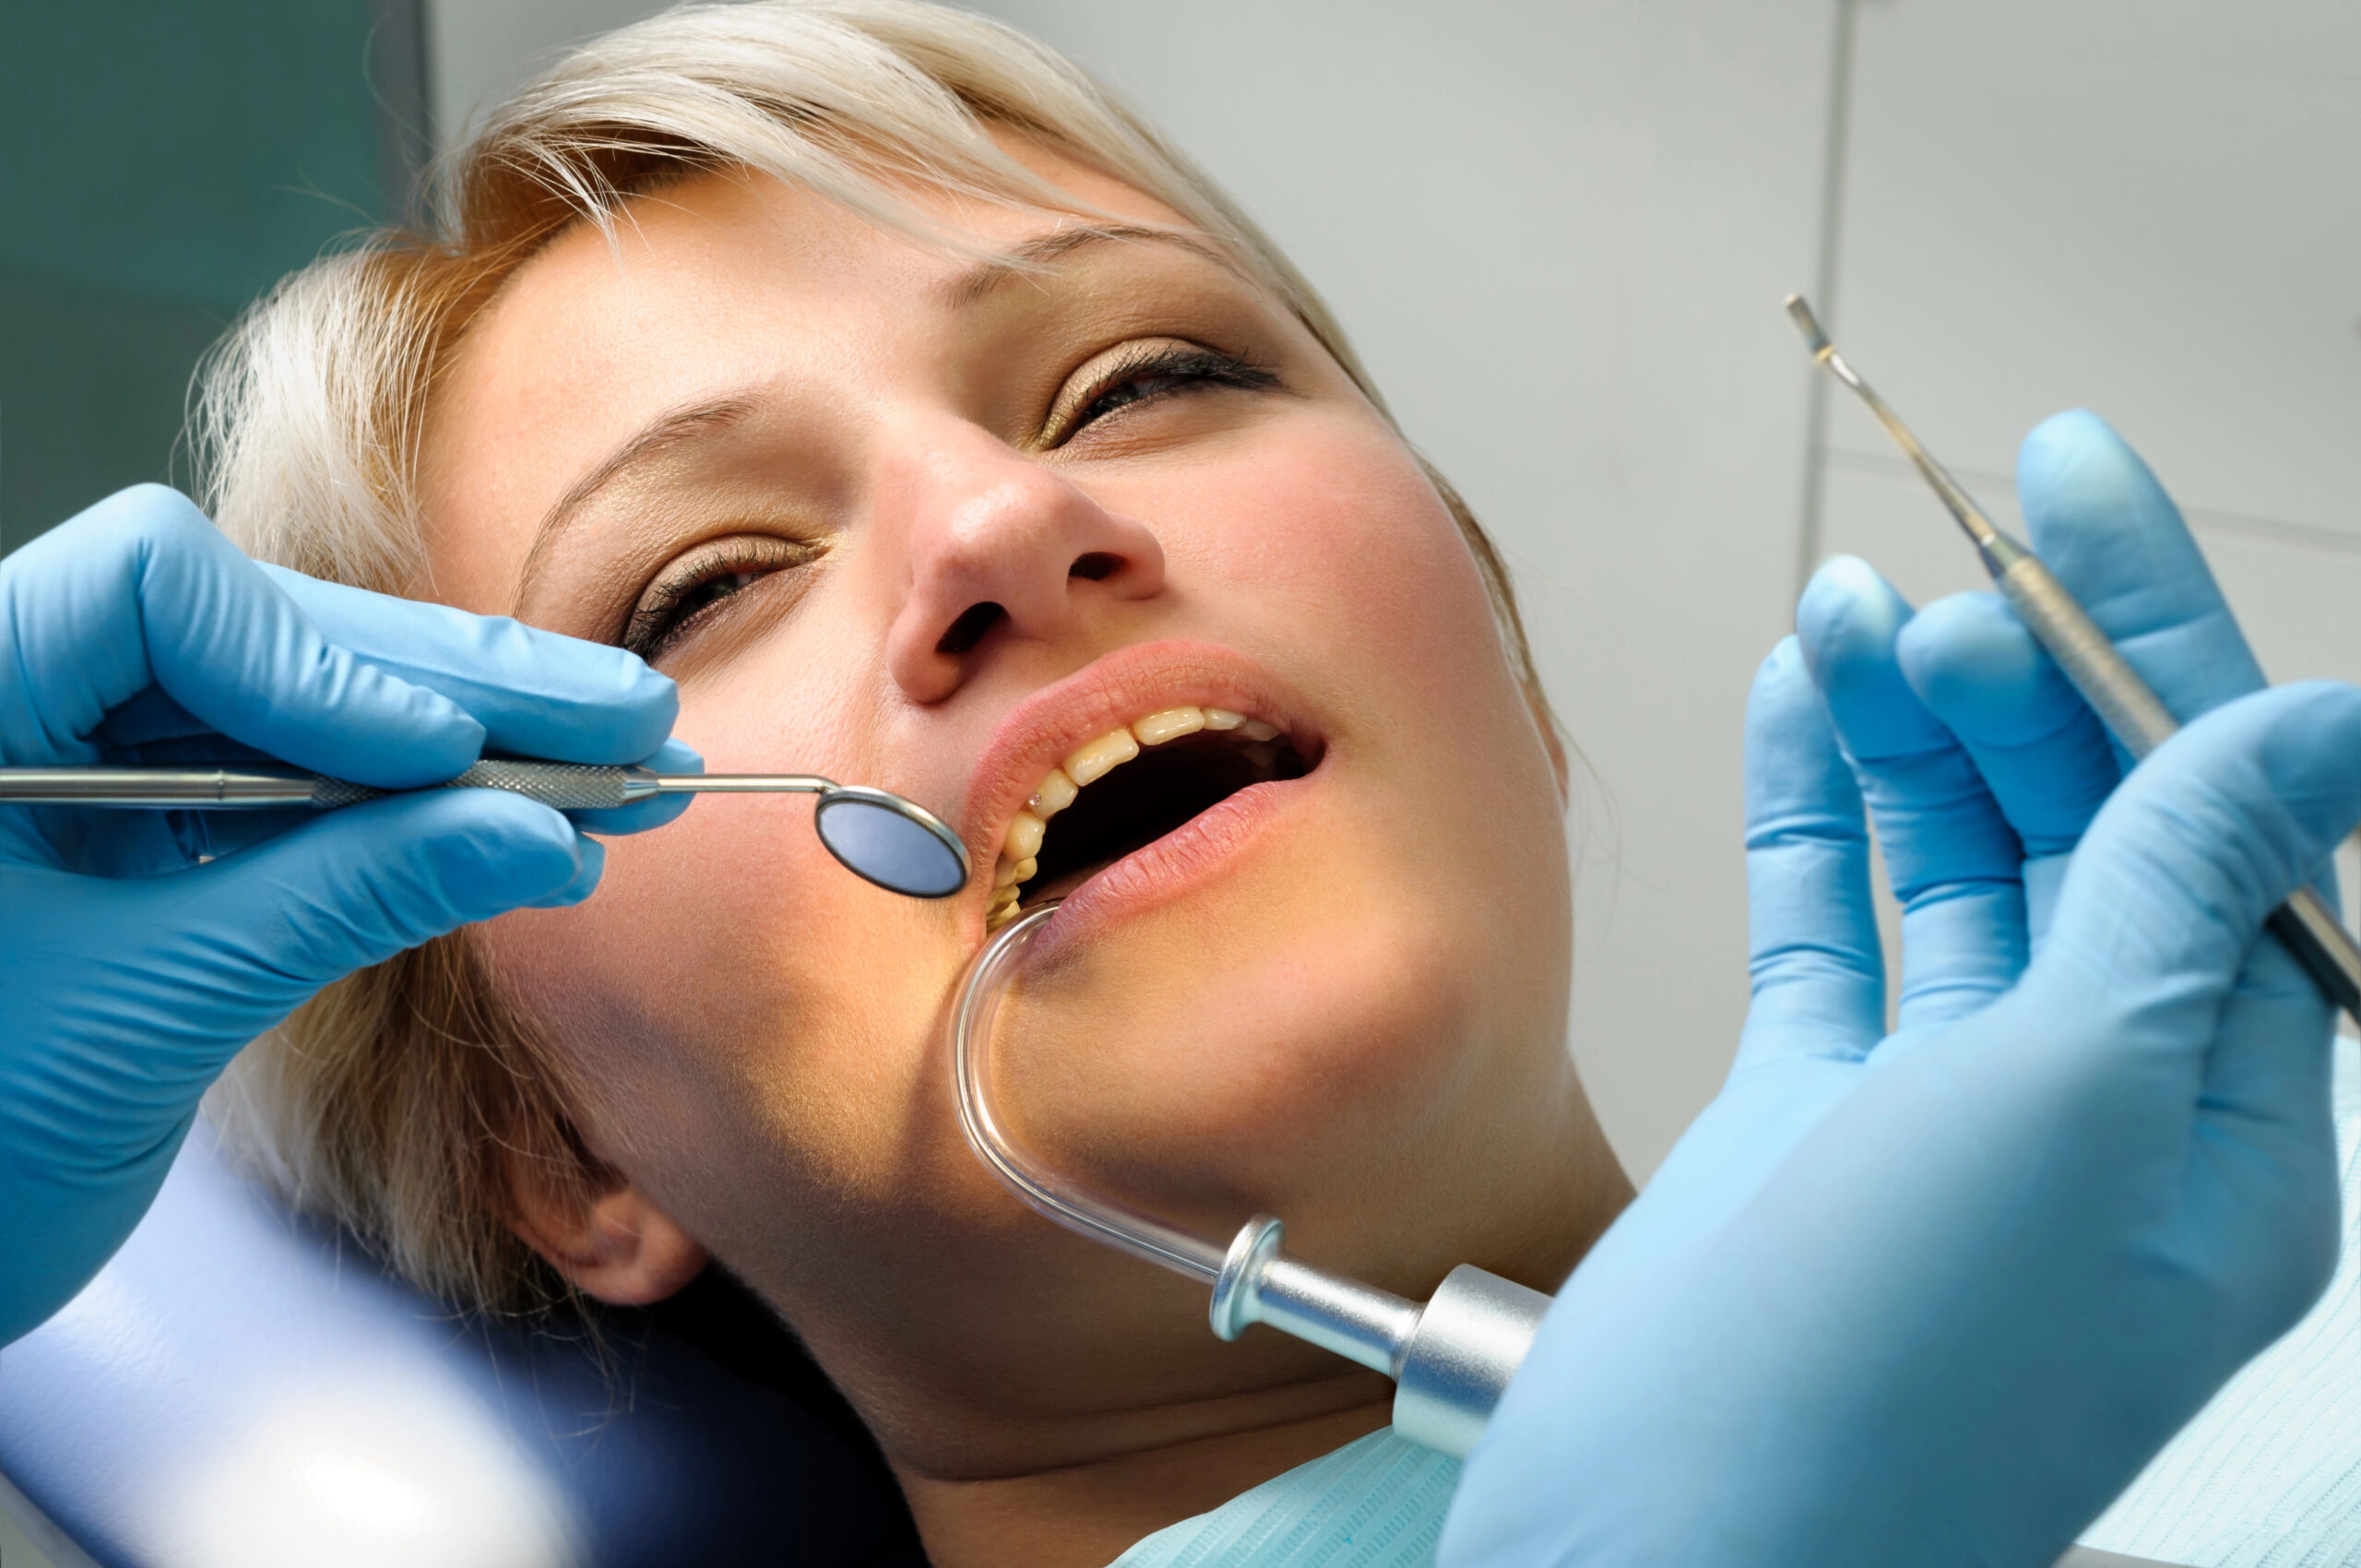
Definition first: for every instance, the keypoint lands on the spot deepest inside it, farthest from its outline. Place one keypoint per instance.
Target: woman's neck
(1086, 1516)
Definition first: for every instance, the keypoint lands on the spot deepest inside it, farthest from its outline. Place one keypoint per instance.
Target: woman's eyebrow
(1019, 260)
(657, 439)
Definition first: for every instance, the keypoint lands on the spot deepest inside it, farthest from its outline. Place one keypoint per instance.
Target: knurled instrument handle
(265, 786)
(565, 785)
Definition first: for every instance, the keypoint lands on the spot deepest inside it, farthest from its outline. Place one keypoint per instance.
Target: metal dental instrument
(880, 837)
(1450, 1357)
(2131, 712)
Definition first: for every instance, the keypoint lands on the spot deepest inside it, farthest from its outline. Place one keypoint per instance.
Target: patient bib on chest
(1375, 1503)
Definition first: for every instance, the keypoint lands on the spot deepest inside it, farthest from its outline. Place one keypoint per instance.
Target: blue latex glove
(134, 969)
(1935, 1297)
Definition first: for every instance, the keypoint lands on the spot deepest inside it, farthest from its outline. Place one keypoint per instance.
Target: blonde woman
(864, 370)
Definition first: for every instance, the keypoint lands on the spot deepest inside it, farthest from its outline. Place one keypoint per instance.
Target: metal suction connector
(1451, 1358)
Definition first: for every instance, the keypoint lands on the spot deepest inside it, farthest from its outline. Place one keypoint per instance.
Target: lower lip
(1199, 851)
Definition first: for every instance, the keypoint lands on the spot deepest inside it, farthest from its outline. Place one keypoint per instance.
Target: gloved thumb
(2204, 839)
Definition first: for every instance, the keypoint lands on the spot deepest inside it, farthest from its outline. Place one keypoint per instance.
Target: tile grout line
(1824, 277)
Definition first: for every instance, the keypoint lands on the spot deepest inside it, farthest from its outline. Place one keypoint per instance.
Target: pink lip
(1048, 725)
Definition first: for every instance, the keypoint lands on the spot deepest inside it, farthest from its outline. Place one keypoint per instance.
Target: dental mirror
(883, 839)
(880, 837)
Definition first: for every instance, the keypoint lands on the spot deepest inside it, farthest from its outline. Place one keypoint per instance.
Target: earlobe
(618, 1247)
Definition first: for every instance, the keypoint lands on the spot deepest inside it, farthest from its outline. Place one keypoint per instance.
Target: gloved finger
(536, 693)
(261, 930)
(2040, 749)
(142, 590)
(2181, 867)
(153, 726)
(2266, 1107)
(1819, 972)
(2105, 526)
(672, 756)
(1950, 857)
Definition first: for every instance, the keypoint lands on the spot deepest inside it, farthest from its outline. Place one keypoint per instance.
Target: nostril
(969, 629)
(1096, 566)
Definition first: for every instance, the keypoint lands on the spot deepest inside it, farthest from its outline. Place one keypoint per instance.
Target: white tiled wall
(2153, 210)
(1559, 231)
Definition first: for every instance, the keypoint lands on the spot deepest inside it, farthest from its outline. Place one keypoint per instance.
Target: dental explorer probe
(2125, 704)
(1450, 1357)
(878, 837)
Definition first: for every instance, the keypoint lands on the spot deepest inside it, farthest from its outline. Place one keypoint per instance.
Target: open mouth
(1127, 788)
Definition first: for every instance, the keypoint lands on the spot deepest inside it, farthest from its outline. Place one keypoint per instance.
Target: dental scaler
(1450, 1357)
(2132, 712)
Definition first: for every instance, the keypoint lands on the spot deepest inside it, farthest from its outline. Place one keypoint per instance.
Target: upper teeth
(1086, 764)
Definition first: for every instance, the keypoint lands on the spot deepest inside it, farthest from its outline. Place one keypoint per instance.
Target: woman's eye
(692, 590)
(1156, 371)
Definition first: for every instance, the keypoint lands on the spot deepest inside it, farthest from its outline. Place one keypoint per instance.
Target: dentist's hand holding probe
(139, 950)
(1934, 1297)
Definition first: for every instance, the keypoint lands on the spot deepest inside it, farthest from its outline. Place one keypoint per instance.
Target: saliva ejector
(1450, 1357)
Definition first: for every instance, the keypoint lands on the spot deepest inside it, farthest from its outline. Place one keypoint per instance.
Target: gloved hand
(140, 950)
(1934, 1298)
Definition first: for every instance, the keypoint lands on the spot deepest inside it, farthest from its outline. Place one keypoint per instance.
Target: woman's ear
(616, 1246)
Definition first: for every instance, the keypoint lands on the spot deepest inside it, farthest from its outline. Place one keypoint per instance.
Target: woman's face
(909, 520)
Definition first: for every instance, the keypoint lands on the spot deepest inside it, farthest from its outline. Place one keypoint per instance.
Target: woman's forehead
(693, 240)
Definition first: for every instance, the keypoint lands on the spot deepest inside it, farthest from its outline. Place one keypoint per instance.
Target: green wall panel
(160, 165)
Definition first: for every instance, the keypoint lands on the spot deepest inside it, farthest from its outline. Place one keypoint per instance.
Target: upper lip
(1129, 684)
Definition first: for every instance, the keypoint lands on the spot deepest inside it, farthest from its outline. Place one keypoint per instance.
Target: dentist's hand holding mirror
(140, 950)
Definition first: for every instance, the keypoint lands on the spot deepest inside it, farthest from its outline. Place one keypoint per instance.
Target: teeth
(1024, 838)
(1020, 848)
(1169, 725)
(1101, 756)
(1056, 794)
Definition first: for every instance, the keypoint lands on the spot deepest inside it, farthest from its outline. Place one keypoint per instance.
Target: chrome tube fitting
(1471, 1337)
(1451, 1359)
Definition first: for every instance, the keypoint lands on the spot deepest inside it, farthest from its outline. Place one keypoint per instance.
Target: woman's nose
(1001, 546)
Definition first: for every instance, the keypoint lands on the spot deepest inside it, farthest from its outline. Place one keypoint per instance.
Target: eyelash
(1184, 367)
(678, 599)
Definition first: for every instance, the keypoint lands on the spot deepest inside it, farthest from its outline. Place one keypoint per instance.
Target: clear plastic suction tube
(1102, 1219)
(1450, 1358)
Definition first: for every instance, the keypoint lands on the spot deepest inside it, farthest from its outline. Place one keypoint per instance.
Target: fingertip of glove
(1783, 694)
(2316, 735)
(637, 817)
(1847, 604)
(645, 702)
(673, 756)
(1965, 644)
(2074, 461)
(590, 863)
(1784, 660)
(490, 850)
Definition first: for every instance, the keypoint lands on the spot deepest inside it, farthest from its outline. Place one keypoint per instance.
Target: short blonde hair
(403, 1100)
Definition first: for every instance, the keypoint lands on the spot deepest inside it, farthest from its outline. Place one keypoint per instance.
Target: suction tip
(1800, 312)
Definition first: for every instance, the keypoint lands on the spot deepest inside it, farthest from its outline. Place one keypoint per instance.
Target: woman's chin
(1242, 1060)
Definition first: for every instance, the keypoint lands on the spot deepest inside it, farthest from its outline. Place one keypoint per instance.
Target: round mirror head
(886, 839)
